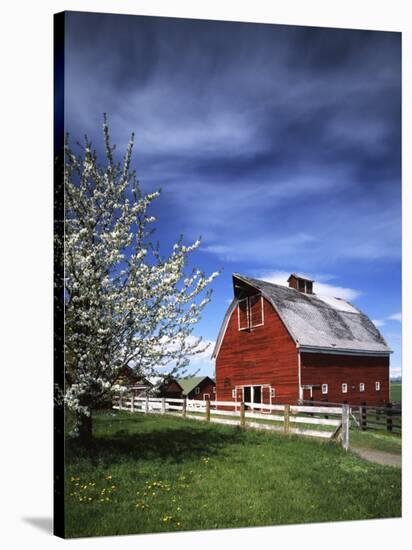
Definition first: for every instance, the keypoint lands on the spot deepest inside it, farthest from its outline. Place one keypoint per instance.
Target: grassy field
(379, 441)
(156, 474)
(396, 392)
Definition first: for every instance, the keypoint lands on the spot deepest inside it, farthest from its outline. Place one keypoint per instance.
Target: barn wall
(352, 370)
(205, 387)
(171, 390)
(262, 355)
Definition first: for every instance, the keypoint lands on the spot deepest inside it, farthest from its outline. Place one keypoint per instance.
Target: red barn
(196, 387)
(285, 345)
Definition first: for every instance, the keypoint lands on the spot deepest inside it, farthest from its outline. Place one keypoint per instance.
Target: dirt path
(380, 457)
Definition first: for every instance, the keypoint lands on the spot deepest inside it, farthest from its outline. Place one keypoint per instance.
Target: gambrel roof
(314, 322)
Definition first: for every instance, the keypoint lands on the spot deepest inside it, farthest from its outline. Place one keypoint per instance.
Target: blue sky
(279, 145)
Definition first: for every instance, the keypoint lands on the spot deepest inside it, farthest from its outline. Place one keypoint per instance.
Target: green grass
(157, 474)
(379, 441)
(396, 392)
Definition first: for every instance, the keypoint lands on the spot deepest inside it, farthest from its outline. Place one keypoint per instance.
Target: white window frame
(247, 314)
(344, 387)
(234, 393)
(206, 395)
(272, 392)
(214, 389)
(250, 312)
(197, 390)
(377, 385)
(361, 386)
(325, 389)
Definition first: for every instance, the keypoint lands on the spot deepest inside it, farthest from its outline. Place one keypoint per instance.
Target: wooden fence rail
(329, 422)
(387, 417)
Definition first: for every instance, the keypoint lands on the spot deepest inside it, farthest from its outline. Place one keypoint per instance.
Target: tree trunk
(85, 429)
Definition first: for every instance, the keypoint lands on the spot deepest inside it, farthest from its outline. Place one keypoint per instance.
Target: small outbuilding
(281, 344)
(196, 387)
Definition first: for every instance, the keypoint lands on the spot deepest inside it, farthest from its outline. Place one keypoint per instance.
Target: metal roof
(189, 384)
(317, 322)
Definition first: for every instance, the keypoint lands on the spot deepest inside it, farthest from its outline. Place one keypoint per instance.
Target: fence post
(242, 415)
(389, 417)
(207, 410)
(132, 403)
(146, 405)
(363, 418)
(286, 414)
(163, 409)
(345, 426)
(184, 407)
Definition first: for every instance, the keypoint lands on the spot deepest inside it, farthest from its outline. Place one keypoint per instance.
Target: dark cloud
(279, 144)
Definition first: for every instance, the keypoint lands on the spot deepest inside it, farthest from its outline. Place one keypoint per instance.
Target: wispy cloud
(378, 322)
(395, 317)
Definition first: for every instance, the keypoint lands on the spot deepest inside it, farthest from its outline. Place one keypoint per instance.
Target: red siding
(205, 387)
(171, 390)
(335, 370)
(262, 355)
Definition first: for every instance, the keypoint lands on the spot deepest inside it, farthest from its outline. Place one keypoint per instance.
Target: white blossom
(124, 303)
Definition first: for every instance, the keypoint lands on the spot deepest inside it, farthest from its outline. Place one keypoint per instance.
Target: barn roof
(317, 323)
(189, 384)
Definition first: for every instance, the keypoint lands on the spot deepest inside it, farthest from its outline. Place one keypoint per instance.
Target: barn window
(377, 386)
(197, 391)
(233, 394)
(214, 389)
(256, 311)
(361, 386)
(250, 312)
(324, 389)
(243, 314)
(344, 388)
(272, 392)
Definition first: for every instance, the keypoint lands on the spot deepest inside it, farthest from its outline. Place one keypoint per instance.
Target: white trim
(247, 314)
(361, 386)
(300, 377)
(344, 387)
(251, 316)
(197, 390)
(340, 351)
(377, 386)
(325, 389)
(234, 393)
(204, 396)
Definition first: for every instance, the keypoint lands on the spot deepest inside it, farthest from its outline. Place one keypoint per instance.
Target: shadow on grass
(174, 441)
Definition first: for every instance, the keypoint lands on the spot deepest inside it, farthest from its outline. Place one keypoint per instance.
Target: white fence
(324, 422)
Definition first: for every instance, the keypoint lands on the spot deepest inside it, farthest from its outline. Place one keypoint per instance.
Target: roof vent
(302, 284)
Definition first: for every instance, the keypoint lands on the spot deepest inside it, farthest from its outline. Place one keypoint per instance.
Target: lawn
(376, 440)
(156, 474)
(396, 392)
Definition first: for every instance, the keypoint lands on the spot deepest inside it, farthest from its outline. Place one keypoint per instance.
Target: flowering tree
(125, 304)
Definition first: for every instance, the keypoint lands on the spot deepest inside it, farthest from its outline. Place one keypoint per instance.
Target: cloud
(378, 322)
(395, 317)
(323, 289)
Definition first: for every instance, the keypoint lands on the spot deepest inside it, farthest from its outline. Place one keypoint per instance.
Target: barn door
(266, 397)
(239, 395)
